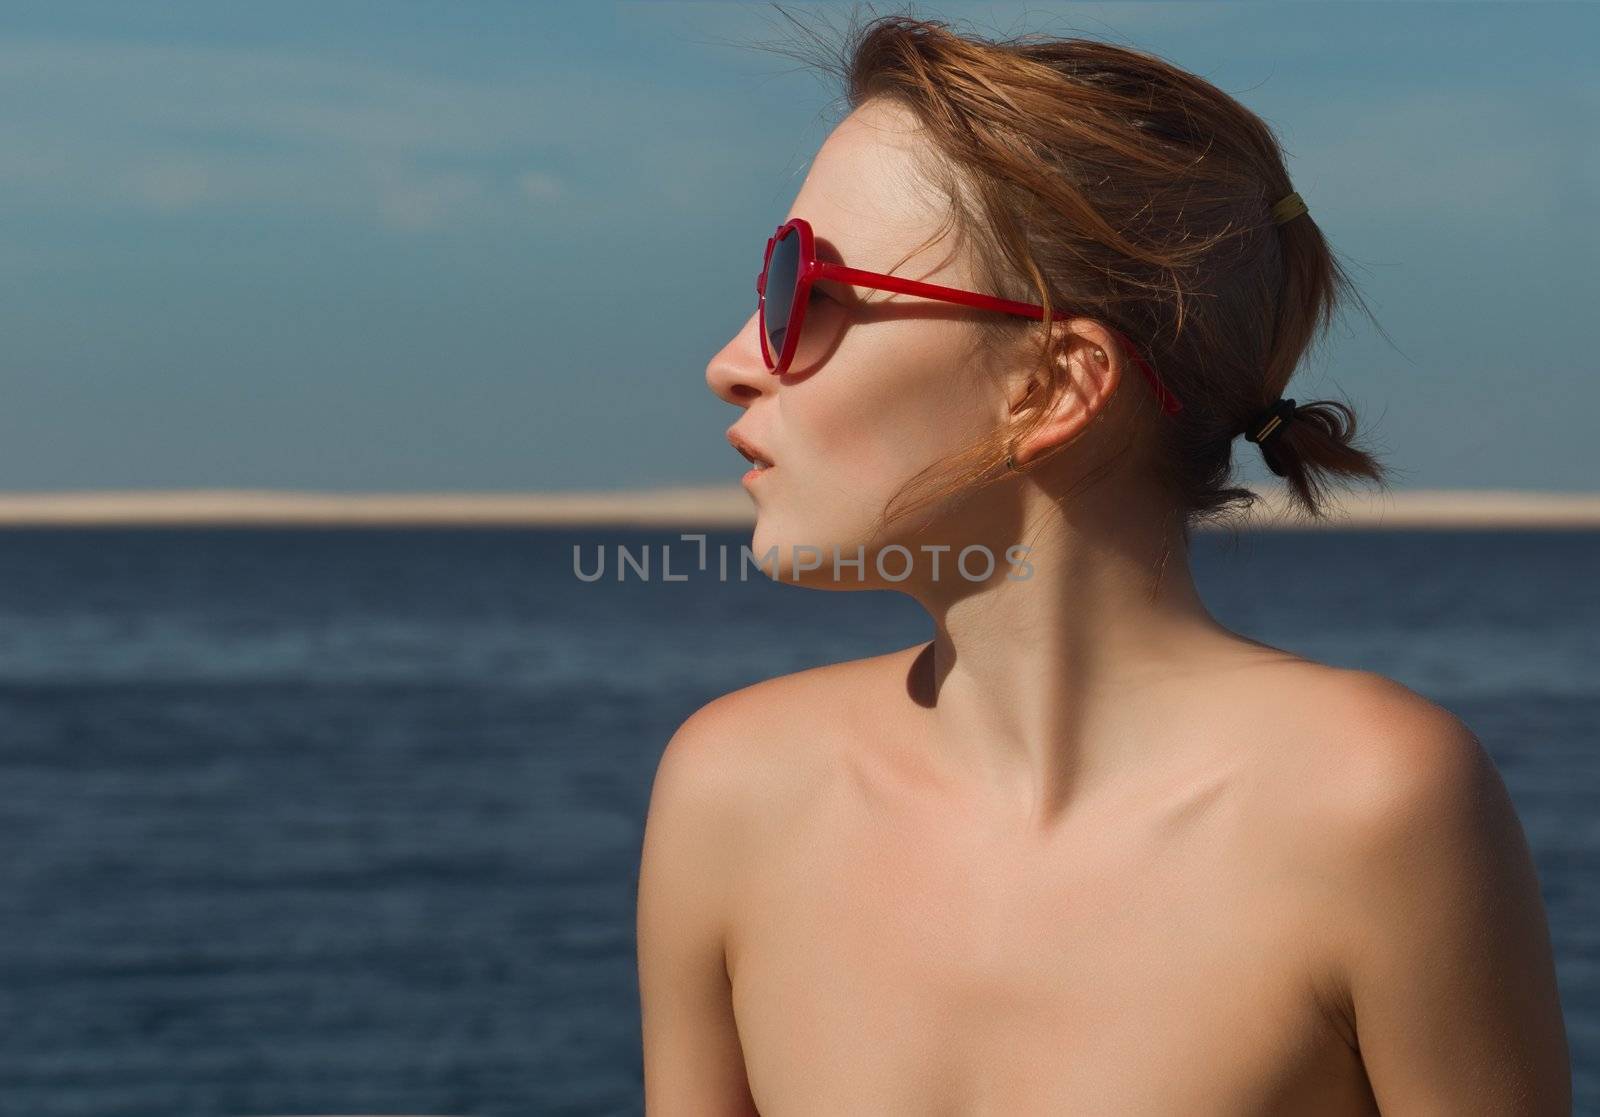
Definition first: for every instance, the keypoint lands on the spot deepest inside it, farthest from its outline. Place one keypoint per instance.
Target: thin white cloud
(417, 202)
(106, 126)
(177, 184)
(539, 186)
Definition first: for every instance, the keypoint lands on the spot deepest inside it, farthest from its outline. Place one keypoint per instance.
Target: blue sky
(490, 246)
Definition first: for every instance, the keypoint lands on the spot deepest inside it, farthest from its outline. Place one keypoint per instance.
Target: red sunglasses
(791, 266)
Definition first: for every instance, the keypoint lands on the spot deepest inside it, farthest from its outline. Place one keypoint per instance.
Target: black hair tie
(1266, 425)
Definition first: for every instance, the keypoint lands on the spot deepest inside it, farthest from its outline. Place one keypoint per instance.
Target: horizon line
(713, 506)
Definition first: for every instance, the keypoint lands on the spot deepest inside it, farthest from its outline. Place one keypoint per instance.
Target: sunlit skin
(1086, 851)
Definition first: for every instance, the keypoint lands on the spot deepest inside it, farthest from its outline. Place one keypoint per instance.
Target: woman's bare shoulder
(771, 738)
(1420, 897)
(1354, 752)
(1367, 796)
(1372, 742)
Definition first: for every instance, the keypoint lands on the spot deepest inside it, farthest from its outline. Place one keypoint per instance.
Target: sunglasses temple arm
(880, 282)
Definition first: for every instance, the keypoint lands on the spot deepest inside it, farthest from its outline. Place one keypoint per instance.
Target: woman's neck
(1040, 688)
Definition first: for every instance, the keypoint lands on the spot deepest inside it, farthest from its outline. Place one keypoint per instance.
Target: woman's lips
(752, 453)
(751, 474)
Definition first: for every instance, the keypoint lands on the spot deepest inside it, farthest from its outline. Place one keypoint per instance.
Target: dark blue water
(348, 821)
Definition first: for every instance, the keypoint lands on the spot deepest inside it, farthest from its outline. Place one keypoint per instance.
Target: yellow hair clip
(1288, 208)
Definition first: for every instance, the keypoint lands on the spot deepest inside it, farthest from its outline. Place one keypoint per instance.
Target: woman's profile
(1087, 851)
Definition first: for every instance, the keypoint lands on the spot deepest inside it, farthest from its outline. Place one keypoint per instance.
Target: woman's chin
(786, 555)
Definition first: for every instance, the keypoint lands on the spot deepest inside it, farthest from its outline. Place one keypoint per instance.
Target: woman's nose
(738, 373)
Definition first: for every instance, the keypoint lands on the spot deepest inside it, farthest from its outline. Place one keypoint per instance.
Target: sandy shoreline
(709, 506)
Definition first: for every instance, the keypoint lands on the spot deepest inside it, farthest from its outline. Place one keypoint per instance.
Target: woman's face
(884, 384)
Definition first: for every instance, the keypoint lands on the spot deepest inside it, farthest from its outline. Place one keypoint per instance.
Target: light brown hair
(1110, 182)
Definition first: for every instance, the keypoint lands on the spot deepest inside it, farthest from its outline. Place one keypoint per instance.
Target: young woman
(1087, 851)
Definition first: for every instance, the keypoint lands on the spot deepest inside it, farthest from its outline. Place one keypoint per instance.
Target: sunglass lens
(783, 272)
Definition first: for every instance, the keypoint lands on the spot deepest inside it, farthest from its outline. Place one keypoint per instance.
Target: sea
(347, 820)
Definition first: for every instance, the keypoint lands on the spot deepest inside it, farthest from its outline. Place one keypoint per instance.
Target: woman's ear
(1087, 367)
